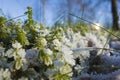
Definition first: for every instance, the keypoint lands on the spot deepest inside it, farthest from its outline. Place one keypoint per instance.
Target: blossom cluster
(39, 53)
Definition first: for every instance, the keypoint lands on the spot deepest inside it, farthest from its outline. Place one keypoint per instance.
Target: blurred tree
(39, 11)
(69, 10)
(89, 6)
(87, 9)
(114, 14)
(1, 12)
(82, 8)
(43, 4)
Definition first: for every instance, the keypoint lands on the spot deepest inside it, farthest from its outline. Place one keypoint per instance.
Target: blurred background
(50, 12)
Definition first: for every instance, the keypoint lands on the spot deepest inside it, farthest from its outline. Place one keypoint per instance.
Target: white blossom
(67, 54)
(5, 74)
(48, 51)
(10, 52)
(57, 44)
(48, 61)
(44, 32)
(66, 70)
(16, 45)
(44, 42)
(21, 53)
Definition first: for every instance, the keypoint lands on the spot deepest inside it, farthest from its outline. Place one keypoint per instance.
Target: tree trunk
(43, 4)
(69, 9)
(114, 15)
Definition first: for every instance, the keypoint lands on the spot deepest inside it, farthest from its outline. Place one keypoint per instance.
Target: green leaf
(18, 63)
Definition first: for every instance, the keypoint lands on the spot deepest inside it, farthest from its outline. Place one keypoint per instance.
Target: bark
(114, 15)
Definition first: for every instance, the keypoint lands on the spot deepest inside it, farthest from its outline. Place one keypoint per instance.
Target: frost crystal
(67, 54)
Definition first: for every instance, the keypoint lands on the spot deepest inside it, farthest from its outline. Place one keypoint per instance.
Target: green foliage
(80, 27)
(3, 30)
(45, 58)
(59, 76)
(42, 27)
(30, 19)
(2, 21)
(57, 32)
(3, 33)
(30, 26)
(40, 42)
(117, 33)
(21, 36)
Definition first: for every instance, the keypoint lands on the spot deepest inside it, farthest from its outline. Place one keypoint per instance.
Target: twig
(16, 17)
(93, 48)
